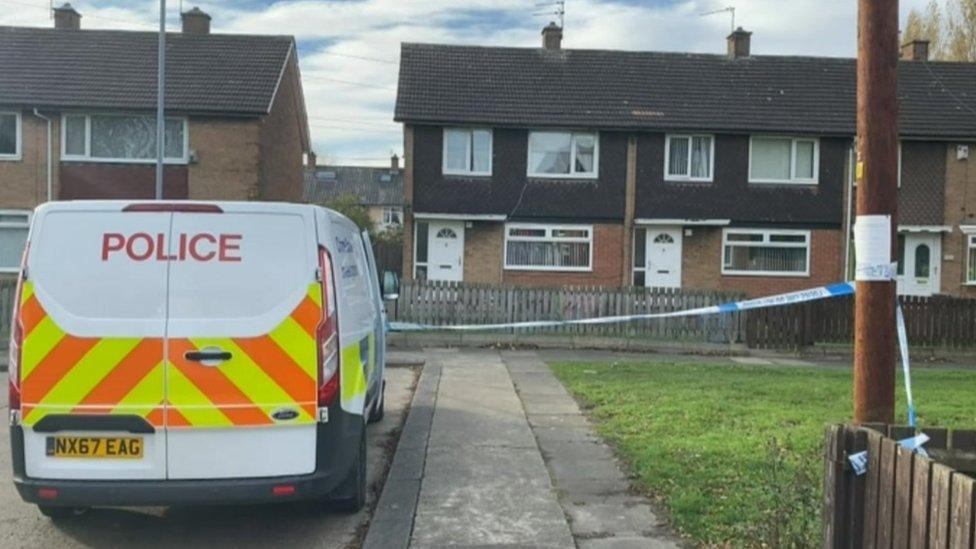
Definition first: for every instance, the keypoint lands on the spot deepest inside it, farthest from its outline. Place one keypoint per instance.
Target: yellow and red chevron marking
(64, 374)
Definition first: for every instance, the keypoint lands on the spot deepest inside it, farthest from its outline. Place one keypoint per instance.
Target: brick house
(77, 117)
(378, 189)
(595, 167)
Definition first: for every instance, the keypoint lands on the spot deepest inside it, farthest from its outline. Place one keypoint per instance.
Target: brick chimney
(739, 43)
(552, 36)
(394, 163)
(916, 50)
(67, 18)
(195, 21)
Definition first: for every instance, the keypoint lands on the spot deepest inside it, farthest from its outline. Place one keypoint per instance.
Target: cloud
(349, 48)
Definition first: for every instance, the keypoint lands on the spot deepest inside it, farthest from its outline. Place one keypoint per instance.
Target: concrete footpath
(495, 452)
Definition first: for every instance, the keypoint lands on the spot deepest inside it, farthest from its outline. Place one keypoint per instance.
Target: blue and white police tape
(791, 298)
(813, 294)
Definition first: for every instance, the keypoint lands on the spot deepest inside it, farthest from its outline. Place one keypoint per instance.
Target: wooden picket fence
(937, 321)
(442, 303)
(903, 499)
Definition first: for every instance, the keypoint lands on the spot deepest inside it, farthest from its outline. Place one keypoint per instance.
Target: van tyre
(376, 414)
(59, 513)
(350, 496)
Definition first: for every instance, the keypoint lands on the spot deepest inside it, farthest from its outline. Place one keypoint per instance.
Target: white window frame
(667, 158)
(969, 231)
(572, 156)
(468, 160)
(87, 157)
(27, 214)
(388, 214)
(18, 137)
(765, 244)
(793, 179)
(548, 238)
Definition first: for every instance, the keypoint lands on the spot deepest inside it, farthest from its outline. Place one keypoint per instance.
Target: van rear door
(92, 311)
(244, 305)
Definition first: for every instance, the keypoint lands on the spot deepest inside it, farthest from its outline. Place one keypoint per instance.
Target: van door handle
(207, 355)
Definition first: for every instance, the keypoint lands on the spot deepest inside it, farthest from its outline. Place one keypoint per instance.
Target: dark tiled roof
(374, 186)
(655, 90)
(215, 73)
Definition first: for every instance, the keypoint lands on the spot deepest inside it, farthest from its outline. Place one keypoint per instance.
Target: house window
(640, 257)
(420, 251)
(467, 151)
(765, 253)
(392, 215)
(783, 160)
(548, 247)
(10, 136)
(689, 157)
(13, 238)
(971, 259)
(121, 138)
(563, 154)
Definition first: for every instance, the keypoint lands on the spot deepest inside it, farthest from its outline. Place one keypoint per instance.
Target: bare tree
(949, 26)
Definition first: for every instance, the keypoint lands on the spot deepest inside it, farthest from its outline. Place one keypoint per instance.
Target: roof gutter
(50, 170)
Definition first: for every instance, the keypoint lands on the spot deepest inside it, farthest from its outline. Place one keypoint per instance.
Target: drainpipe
(50, 189)
(851, 178)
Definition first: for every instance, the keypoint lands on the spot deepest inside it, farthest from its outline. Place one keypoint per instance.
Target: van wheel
(350, 496)
(59, 513)
(376, 414)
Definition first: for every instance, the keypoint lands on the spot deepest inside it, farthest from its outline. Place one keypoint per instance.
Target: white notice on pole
(872, 246)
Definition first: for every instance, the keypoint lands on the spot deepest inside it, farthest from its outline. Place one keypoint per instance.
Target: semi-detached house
(544, 166)
(77, 118)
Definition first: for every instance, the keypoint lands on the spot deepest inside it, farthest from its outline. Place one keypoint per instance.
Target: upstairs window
(467, 151)
(563, 154)
(9, 136)
(548, 247)
(784, 160)
(766, 253)
(121, 138)
(392, 215)
(689, 158)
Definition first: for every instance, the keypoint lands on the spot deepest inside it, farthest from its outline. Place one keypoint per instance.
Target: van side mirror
(391, 286)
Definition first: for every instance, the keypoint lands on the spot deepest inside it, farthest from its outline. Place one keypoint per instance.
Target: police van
(193, 352)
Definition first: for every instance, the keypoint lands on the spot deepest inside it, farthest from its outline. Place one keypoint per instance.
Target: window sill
(550, 269)
(766, 273)
(480, 175)
(140, 161)
(687, 180)
(10, 158)
(575, 177)
(796, 182)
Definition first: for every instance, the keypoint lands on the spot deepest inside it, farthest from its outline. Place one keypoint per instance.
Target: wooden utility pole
(877, 194)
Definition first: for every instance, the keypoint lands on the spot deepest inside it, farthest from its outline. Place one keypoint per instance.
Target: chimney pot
(195, 21)
(739, 43)
(552, 36)
(67, 18)
(394, 163)
(916, 50)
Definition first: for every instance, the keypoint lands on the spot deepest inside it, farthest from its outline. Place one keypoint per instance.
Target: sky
(349, 49)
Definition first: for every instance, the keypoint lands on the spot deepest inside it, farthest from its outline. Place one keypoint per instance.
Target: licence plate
(95, 447)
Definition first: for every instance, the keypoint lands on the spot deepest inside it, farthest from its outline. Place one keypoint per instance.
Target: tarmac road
(282, 525)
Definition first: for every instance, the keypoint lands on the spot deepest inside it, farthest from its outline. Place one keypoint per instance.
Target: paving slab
(633, 542)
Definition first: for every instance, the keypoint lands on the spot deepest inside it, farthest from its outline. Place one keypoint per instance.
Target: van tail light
(327, 335)
(16, 341)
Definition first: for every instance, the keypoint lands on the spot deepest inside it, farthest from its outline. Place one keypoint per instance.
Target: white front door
(663, 257)
(918, 271)
(445, 245)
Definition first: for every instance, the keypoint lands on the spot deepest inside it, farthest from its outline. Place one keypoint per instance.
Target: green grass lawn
(698, 436)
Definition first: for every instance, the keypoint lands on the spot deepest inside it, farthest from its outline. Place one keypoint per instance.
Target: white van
(193, 352)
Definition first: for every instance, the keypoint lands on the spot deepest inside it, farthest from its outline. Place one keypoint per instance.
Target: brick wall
(702, 265)
(227, 159)
(23, 183)
(408, 184)
(960, 209)
(281, 139)
(483, 245)
(607, 241)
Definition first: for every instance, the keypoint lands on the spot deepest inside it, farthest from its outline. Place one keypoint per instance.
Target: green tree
(949, 26)
(349, 206)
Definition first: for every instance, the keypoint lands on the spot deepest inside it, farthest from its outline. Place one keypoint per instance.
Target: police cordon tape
(813, 294)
